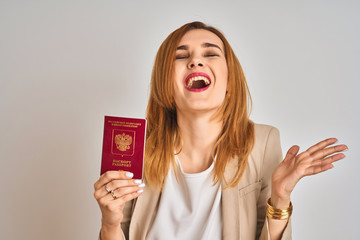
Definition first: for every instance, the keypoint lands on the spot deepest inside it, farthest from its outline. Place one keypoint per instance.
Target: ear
(227, 94)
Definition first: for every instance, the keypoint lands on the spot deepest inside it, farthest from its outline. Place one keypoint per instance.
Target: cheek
(225, 74)
(225, 69)
(177, 85)
(177, 73)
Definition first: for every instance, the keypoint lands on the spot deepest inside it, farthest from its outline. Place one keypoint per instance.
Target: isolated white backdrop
(66, 64)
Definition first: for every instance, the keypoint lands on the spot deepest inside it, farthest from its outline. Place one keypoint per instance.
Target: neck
(199, 133)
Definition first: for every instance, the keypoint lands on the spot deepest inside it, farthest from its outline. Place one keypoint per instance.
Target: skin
(125, 189)
(199, 131)
(195, 110)
(318, 158)
(193, 56)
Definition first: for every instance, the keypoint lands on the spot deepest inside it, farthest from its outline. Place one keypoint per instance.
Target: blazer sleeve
(127, 213)
(271, 159)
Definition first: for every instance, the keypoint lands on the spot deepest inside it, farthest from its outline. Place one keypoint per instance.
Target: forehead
(199, 36)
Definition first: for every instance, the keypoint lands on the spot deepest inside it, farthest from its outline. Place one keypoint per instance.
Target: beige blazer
(243, 206)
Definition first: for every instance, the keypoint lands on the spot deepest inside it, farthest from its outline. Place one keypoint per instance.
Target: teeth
(191, 80)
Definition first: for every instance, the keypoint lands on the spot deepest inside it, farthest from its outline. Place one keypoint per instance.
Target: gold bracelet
(277, 213)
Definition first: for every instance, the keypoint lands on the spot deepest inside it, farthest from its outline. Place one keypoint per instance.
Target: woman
(210, 172)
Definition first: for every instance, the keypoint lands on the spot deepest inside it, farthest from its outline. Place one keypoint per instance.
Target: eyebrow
(204, 45)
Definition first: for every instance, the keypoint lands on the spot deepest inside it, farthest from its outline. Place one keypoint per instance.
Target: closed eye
(211, 55)
(181, 56)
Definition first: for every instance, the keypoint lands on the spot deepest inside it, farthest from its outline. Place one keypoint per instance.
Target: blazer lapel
(146, 203)
(230, 205)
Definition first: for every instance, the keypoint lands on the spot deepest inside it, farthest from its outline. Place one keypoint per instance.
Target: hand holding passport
(123, 145)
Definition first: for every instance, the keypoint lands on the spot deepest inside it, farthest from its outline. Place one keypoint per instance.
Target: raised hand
(112, 191)
(318, 158)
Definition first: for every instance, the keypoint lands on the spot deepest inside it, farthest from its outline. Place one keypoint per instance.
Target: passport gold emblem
(123, 142)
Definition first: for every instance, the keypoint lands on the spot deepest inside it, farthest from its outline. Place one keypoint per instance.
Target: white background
(66, 64)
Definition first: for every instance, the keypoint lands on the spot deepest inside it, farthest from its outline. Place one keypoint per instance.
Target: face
(201, 72)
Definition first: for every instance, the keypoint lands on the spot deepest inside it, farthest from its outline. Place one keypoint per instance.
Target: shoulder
(266, 152)
(266, 145)
(264, 131)
(265, 135)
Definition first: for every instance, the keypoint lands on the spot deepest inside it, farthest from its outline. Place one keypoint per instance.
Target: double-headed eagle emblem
(123, 142)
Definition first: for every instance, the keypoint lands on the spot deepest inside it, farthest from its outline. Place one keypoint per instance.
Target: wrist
(110, 227)
(280, 202)
(278, 213)
(280, 197)
(110, 232)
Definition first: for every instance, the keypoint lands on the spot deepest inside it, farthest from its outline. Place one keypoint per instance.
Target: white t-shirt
(189, 207)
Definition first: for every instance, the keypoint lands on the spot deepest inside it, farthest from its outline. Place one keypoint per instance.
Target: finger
(328, 151)
(116, 205)
(121, 192)
(120, 195)
(129, 197)
(318, 169)
(115, 184)
(330, 159)
(323, 165)
(292, 152)
(112, 175)
(321, 145)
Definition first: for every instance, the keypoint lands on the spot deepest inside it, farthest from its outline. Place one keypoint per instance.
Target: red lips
(197, 82)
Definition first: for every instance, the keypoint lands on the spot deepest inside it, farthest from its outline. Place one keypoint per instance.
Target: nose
(195, 62)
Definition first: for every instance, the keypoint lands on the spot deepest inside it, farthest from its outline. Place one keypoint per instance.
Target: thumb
(292, 152)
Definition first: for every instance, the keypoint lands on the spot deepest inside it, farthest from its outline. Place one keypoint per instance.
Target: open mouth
(197, 82)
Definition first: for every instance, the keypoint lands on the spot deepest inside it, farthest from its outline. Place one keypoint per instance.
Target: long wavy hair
(236, 139)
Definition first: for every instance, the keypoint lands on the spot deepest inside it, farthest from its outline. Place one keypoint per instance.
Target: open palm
(318, 158)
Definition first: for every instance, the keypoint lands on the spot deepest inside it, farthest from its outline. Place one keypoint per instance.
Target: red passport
(123, 145)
